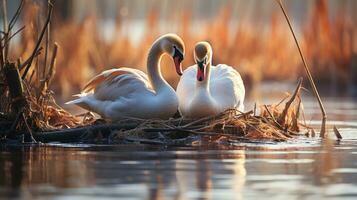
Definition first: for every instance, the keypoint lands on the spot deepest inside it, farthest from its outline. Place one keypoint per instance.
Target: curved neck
(154, 69)
(205, 83)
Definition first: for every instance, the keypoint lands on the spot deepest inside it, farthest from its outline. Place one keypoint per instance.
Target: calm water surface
(301, 169)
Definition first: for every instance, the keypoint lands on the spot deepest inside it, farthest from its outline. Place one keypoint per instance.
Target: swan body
(206, 90)
(126, 92)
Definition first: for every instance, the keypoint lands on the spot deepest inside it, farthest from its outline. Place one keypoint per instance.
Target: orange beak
(178, 66)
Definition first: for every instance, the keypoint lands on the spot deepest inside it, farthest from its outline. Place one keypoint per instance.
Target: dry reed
(272, 124)
(27, 103)
(84, 52)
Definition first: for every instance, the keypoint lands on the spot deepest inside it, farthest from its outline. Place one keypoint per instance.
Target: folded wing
(110, 85)
(227, 86)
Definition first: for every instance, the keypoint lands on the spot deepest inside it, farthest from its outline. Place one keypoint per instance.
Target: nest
(276, 122)
(273, 123)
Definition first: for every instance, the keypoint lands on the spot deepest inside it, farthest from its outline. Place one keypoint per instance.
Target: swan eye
(205, 60)
(200, 64)
(175, 48)
(177, 53)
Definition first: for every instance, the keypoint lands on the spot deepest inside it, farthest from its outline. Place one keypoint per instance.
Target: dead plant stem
(324, 116)
(39, 40)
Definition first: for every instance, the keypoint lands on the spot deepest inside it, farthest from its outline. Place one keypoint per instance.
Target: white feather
(125, 92)
(225, 91)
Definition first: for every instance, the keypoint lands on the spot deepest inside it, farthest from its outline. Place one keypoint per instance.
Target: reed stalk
(47, 41)
(6, 30)
(311, 80)
(39, 40)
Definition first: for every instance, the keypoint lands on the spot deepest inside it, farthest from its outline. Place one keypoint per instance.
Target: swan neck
(154, 69)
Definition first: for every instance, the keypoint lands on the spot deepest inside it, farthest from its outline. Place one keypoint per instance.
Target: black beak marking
(178, 54)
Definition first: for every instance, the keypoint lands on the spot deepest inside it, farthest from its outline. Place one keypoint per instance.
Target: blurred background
(252, 36)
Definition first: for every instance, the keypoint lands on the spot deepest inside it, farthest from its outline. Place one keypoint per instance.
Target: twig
(39, 40)
(74, 134)
(52, 69)
(283, 99)
(4, 15)
(31, 76)
(7, 40)
(324, 116)
(23, 65)
(337, 133)
(281, 119)
(295, 125)
(205, 119)
(2, 48)
(273, 118)
(47, 41)
(16, 15)
(6, 30)
(47, 79)
(28, 128)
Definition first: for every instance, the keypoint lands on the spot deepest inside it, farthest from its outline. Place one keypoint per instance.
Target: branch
(281, 119)
(74, 134)
(39, 40)
(16, 15)
(23, 65)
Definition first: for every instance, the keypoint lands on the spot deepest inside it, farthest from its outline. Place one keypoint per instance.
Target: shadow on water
(303, 168)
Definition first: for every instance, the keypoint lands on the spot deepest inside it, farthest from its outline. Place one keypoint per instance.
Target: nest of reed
(275, 122)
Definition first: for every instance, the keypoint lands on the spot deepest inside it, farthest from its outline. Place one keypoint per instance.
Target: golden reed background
(330, 45)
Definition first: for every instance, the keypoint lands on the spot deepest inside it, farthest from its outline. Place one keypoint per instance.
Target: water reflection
(211, 173)
(35, 171)
(305, 168)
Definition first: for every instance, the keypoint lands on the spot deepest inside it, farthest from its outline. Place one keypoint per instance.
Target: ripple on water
(341, 189)
(283, 161)
(345, 170)
(275, 177)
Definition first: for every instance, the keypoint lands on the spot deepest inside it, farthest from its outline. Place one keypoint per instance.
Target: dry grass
(27, 104)
(277, 122)
(273, 123)
(329, 45)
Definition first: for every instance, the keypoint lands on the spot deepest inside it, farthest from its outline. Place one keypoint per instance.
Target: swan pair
(202, 91)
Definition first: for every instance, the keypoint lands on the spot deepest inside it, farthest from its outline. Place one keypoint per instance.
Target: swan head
(174, 45)
(203, 57)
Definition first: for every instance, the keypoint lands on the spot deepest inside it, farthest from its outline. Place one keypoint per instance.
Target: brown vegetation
(270, 54)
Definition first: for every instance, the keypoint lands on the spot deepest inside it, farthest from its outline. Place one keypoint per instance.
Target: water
(300, 169)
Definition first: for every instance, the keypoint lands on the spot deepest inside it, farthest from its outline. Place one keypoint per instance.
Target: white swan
(126, 92)
(206, 90)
